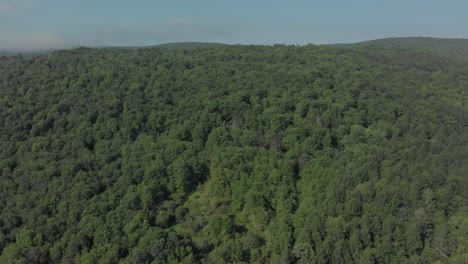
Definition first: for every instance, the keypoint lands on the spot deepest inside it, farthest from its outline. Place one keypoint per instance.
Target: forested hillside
(234, 154)
(455, 49)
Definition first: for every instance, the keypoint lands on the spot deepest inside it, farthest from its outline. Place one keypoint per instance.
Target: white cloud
(13, 41)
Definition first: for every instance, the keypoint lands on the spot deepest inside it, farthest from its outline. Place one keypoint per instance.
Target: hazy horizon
(33, 25)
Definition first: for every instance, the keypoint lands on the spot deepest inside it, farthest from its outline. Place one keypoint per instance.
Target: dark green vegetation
(234, 154)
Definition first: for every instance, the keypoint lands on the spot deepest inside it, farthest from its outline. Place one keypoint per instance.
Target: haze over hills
(172, 45)
(455, 49)
(185, 45)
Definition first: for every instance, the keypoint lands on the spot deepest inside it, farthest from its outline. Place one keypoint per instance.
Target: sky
(27, 25)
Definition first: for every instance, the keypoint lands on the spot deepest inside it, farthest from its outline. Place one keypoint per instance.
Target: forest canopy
(234, 154)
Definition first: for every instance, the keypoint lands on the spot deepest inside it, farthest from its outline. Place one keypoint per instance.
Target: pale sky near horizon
(55, 24)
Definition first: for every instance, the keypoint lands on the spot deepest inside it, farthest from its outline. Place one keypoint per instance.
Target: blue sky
(51, 24)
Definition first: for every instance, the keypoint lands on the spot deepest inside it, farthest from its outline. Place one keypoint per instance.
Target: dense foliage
(234, 154)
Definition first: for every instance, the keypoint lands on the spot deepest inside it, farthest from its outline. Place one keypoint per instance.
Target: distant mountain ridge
(174, 45)
(23, 53)
(177, 45)
(453, 48)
